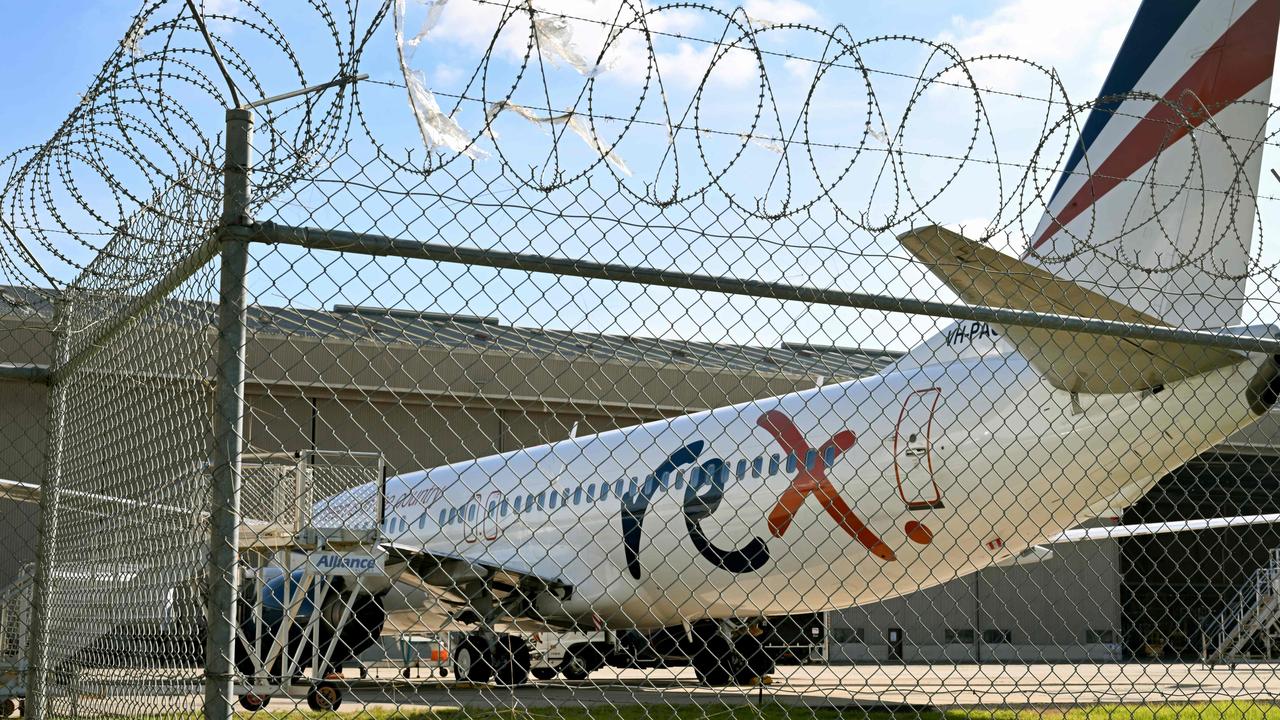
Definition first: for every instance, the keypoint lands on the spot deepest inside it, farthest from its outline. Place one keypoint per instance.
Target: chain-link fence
(653, 361)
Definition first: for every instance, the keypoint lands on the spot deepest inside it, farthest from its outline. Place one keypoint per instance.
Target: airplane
(979, 447)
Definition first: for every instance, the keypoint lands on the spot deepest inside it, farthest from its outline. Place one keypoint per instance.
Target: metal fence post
(37, 690)
(228, 424)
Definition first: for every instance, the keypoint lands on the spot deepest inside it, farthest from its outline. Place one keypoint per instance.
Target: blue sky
(52, 50)
(49, 52)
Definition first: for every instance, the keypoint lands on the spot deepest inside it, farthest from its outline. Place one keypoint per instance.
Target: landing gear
(756, 660)
(544, 673)
(574, 669)
(8, 707)
(580, 662)
(324, 697)
(470, 663)
(502, 658)
(724, 660)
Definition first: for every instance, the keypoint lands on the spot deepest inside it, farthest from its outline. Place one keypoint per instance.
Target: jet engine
(1264, 389)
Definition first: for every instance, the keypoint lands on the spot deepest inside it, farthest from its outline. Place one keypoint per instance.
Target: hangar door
(913, 450)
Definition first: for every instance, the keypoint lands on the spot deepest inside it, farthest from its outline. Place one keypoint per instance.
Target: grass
(1232, 710)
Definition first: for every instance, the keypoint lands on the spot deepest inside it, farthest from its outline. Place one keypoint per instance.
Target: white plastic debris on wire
(882, 137)
(569, 119)
(132, 42)
(555, 39)
(763, 142)
(439, 131)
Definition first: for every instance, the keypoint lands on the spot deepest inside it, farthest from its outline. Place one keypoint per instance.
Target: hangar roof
(478, 334)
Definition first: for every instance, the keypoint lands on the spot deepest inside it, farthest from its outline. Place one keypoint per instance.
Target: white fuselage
(953, 467)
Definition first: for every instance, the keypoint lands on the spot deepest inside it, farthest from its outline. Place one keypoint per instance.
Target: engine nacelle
(1264, 388)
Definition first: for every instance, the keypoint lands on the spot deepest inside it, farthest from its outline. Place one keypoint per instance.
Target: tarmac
(838, 686)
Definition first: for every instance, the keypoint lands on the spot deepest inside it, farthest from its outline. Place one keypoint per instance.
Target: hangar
(425, 389)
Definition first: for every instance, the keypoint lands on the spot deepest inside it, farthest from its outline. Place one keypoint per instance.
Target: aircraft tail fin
(1078, 362)
(1155, 205)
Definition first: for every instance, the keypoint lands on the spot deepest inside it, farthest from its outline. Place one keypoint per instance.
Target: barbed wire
(144, 140)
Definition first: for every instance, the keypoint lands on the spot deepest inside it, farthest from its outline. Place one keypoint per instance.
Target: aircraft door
(490, 511)
(471, 519)
(913, 450)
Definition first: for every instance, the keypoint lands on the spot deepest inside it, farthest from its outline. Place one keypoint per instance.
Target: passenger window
(541, 501)
(471, 512)
(591, 493)
(444, 514)
(829, 456)
(528, 503)
(552, 498)
(502, 509)
(811, 459)
(577, 495)
(773, 464)
(604, 491)
(757, 467)
(791, 462)
(742, 469)
(680, 479)
(617, 488)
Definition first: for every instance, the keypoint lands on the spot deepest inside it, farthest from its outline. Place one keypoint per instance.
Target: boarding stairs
(1249, 627)
(279, 495)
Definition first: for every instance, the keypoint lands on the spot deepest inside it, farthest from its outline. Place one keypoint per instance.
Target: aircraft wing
(453, 572)
(1077, 362)
(1123, 531)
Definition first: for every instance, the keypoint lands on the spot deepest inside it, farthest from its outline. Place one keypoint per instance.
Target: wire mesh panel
(622, 359)
(127, 532)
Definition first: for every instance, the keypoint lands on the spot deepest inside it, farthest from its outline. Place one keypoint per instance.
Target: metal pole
(370, 244)
(37, 691)
(977, 617)
(228, 424)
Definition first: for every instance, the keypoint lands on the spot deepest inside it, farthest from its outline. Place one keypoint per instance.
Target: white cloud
(1079, 39)
(445, 75)
(219, 7)
(781, 12)
(583, 27)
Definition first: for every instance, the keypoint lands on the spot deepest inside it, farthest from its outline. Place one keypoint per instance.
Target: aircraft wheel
(8, 707)
(513, 660)
(752, 660)
(580, 662)
(254, 702)
(544, 673)
(324, 697)
(713, 663)
(470, 661)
